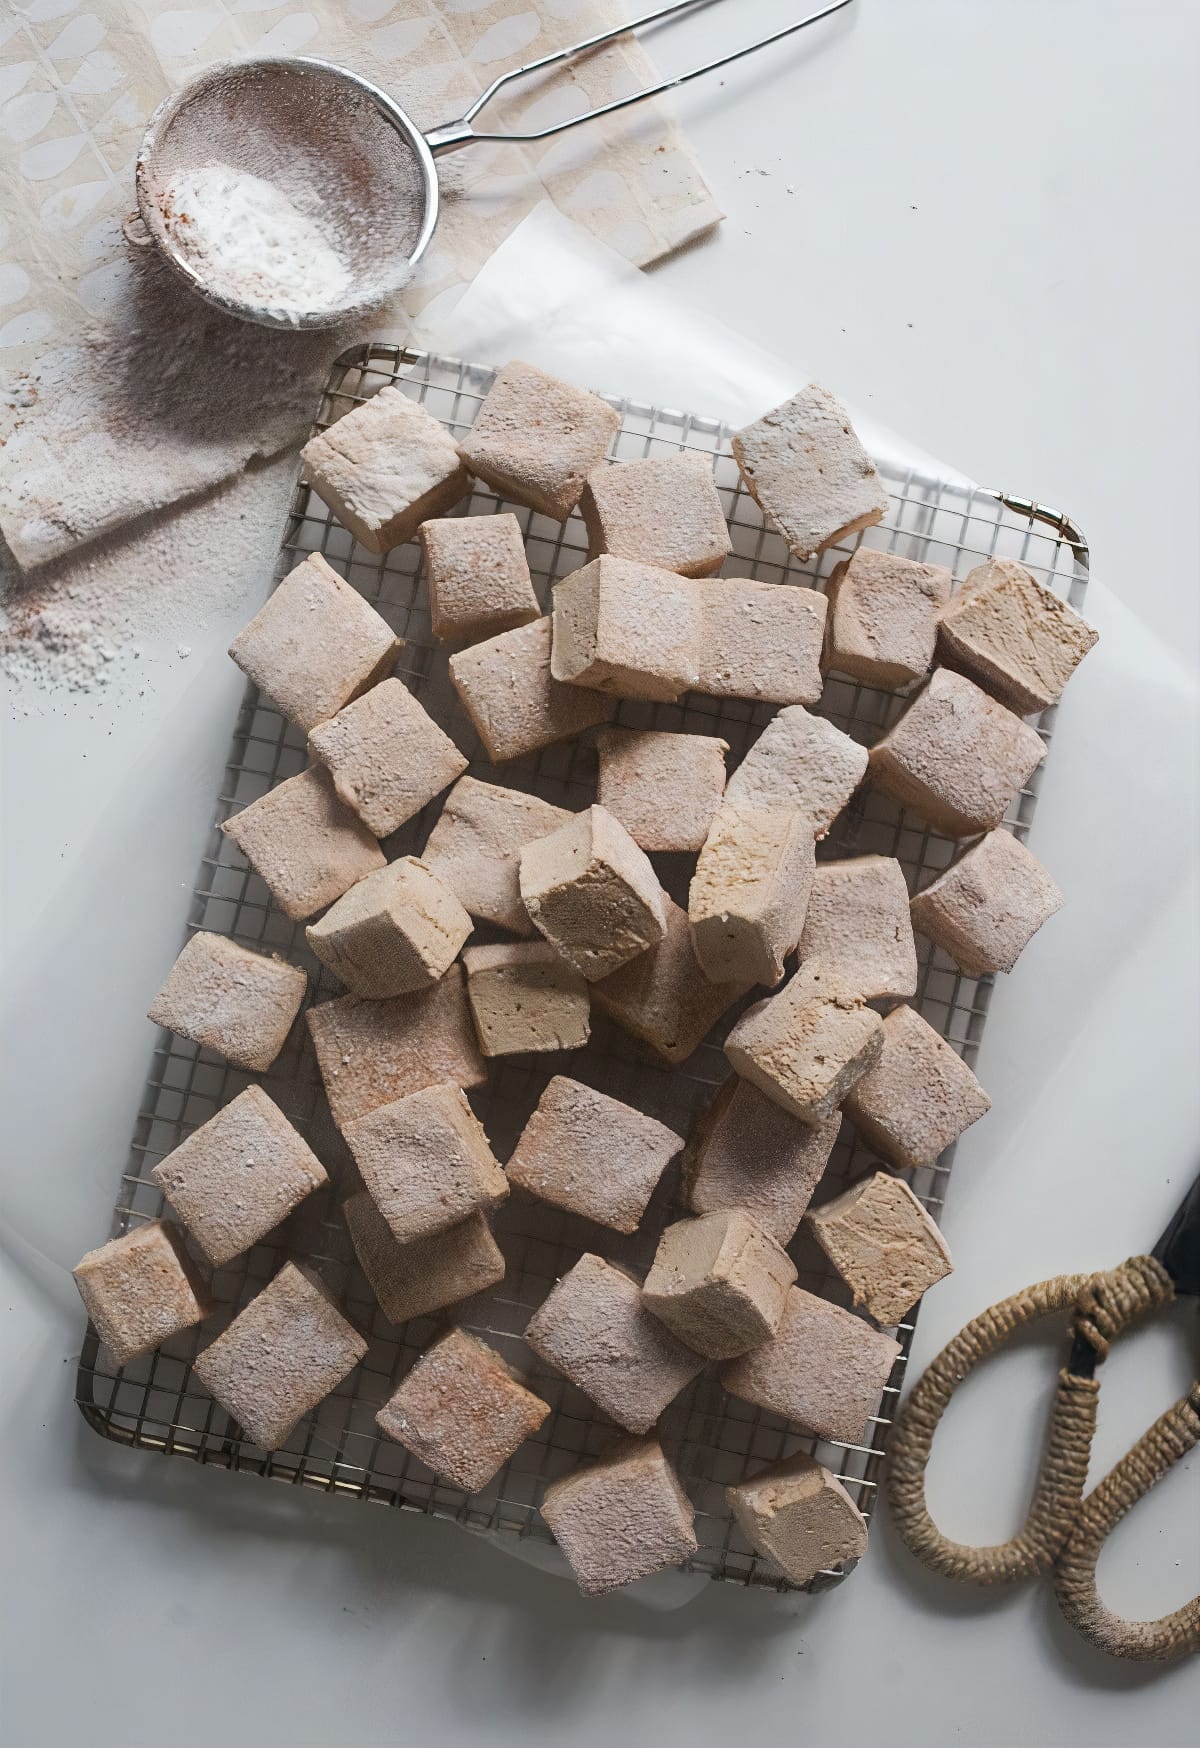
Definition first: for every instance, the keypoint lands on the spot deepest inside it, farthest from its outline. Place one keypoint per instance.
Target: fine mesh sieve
(345, 157)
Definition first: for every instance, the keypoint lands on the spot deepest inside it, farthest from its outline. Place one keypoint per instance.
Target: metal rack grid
(155, 1403)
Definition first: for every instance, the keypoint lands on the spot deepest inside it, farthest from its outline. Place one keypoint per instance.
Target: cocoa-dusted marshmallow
(956, 757)
(806, 1046)
(384, 467)
(373, 1052)
(478, 576)
(663, 510)
(760, 641)
(307, 846)
(238, 1175)
(140, 1289)
(883, 618)
(595, 1329)
(857, 929)
(987, 907)
(386, 755)
(664, 788)
(1015, 636)
(627, 628)
(823, 1368)
(524, 997)
(883, 1244)
(536, 438)
(280, 1356)
(397, 931)
(799, 1515)
(413, 1280)
(591, 1154)
(801, 761)
(228, 999)
(475, 847)
(315, 645)
(918, 1097)
(515, 703)
(807, 471)
(592, 893)
(663, 996)
(622, 1518)
(748, 1152)
(462, 1411)
(719, 1283)
(426, 1162)
(749, 894)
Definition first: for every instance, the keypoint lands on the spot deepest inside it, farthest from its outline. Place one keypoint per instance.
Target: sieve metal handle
(453, 135)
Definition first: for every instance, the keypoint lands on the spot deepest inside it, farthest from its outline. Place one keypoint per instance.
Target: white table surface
(978, 221)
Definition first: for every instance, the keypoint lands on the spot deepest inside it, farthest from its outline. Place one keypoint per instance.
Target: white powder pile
(249, 243)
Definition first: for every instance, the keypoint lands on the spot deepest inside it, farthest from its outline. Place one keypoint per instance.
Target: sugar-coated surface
(386, 755)
(315, 645)
(384, 467)
(883, 1244)
(524, 997)
(281, 1355)
(759, 640)
(719, 1283)
(802, 761)
(228, 999)
(413, 1280)
(536, 438)
(593, 893)
(663, 996)
(591, 1154)
(426, 1162)
(475, 847)
(478, 576)
(622, 1518)
(306, 845)
(396, 931)
(805, 467)
(516, 705)
(140, 1289)
(1014, 636)
(747, 1152)
(238, 1175)
(987, 907)
(806, 1046)
(638, 768)
(858, 930)
(883, 617)
(628, 628)
(918, 1097)
(800, 1516)
(663, 510)
(749, 893)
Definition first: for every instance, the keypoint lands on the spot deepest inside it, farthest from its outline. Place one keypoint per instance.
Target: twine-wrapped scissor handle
(1174, 1635)
(1104, 1305)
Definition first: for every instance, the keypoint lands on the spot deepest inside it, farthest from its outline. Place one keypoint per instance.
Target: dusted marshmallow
(1013, 635)
(371, 1053)
(800, 761)
(664, 511)
(397, 931)
(516, 705)
(593, 893)
(141, 1289)
(280, 1356)
(537, 438)
(807, 471)
(918, 1097)
(622, 1518)
(630, 629)
(956, 757)
(663, 996)
(806, 1046)
(750, 891)
(719, 1283)
(858, 930)
(883, 618)
(760, 641)
(426, 1162)
(800, 1516)
(238, 1175)
(462, 1411)
(664, 788)
(595, 1329)
(748, 1152)
(823, 1368)
(883, 1244)
(305, 844)
(315, 645)
(592, 1155)
(384, 468)
(387, 756)
(478, 576)
(985, 910)
(227, 999)
(524, 997)
(413, 1280)
(476, 844)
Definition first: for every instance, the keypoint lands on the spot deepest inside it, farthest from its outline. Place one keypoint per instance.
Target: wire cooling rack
(156, 1403)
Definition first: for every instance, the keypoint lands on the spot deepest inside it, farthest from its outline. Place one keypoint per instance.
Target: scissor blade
(1178, 1250)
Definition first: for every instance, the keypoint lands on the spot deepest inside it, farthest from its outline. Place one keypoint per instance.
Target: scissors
(1065, 1531)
